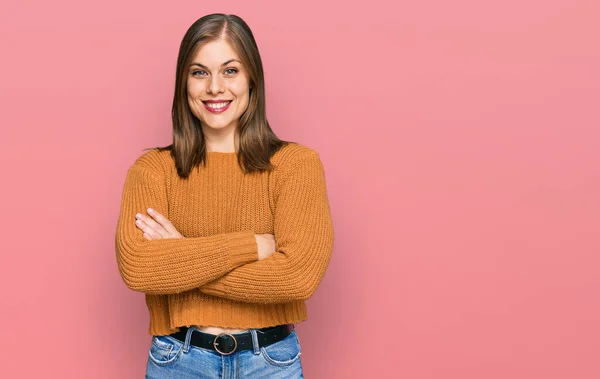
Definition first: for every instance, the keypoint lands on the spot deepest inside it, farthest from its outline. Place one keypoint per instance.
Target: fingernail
(138, 215)
(150, 210)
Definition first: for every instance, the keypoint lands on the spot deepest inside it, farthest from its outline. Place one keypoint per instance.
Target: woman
(227, 230)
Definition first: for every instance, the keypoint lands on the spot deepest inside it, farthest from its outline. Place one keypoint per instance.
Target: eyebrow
(224, 64)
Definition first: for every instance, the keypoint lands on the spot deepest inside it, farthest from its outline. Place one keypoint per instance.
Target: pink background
(461, 143)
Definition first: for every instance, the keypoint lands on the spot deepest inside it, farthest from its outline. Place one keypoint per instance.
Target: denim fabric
(169, 358)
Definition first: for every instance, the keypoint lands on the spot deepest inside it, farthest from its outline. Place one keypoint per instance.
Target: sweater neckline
(220, 157)
(221, 153)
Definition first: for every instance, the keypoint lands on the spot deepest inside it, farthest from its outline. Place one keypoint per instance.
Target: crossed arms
(228, 265)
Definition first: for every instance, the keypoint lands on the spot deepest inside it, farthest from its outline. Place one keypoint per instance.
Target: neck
(220, 140)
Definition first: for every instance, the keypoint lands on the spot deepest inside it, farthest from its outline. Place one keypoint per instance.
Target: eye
(231, 71)
(198, 72)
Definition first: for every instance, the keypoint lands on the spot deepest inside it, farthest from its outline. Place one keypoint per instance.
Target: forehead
(214, 53)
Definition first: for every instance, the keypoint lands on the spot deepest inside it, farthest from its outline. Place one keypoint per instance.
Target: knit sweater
(213, 277)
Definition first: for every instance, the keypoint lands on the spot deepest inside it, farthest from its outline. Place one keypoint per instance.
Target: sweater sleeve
(304, 236)
(173, 265)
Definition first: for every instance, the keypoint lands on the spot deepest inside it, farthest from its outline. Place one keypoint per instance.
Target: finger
(147, 229)
(162, 220)
(156, 227)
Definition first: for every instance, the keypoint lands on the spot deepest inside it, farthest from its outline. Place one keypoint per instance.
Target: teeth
(217, 105)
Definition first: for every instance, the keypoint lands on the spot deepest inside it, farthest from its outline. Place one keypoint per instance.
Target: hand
(266, 245)
(157, 226)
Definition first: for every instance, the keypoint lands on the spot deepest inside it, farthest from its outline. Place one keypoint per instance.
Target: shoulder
(292, 155)
(296, 165)
(155, 161)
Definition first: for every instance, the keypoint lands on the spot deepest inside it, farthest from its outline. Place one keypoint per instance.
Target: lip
(220, 110)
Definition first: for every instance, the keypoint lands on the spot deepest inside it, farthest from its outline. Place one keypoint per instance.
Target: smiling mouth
(217, 106)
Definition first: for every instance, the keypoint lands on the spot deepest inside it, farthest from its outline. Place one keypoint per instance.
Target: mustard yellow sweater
(213, 276)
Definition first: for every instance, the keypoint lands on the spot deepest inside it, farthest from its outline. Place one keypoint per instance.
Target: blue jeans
(170, 358)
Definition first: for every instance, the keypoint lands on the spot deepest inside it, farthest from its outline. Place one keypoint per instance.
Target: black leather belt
(226, 343)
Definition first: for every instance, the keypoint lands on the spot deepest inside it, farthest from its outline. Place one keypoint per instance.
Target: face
(217, 86)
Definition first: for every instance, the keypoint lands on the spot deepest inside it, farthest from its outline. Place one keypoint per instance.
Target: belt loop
(188, 338)
(255, 341)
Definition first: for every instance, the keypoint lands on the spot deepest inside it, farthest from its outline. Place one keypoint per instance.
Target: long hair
(257, 142)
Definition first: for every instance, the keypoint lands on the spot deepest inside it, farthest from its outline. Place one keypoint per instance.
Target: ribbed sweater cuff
(215, 288)
(242, 248)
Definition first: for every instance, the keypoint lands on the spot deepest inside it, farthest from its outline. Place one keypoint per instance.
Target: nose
(215, 85)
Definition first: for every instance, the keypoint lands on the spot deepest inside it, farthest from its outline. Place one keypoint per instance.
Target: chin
(218, 126)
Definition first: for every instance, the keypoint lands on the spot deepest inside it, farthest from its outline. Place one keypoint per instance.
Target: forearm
(169, 266)
(277, 279)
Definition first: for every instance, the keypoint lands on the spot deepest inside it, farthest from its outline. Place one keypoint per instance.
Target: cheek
(242, 95)
(240, 89)
(193, 100)
(194, 90)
